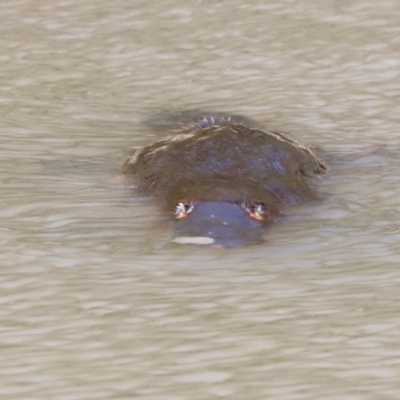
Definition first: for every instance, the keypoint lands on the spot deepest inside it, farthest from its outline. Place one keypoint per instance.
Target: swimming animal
(223, 179)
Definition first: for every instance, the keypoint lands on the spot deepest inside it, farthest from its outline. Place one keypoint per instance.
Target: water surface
(96, 303)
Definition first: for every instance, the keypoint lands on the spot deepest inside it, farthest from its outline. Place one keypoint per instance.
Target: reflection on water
(96, 303)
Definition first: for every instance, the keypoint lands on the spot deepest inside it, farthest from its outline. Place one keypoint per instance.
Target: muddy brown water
(96, 303)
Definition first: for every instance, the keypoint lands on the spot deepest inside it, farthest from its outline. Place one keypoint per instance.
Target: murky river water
(95, 301)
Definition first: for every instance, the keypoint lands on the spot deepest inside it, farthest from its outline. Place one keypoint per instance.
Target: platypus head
(220, 213)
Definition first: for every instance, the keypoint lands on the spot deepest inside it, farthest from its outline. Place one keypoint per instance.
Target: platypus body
(222, 178)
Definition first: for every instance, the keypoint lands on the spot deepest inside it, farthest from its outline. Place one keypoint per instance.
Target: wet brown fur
(220, 159)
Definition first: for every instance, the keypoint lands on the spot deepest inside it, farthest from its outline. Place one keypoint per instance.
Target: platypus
(222, 178)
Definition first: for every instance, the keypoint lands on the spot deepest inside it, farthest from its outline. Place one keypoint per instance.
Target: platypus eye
(257, 210)
(182, 209)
